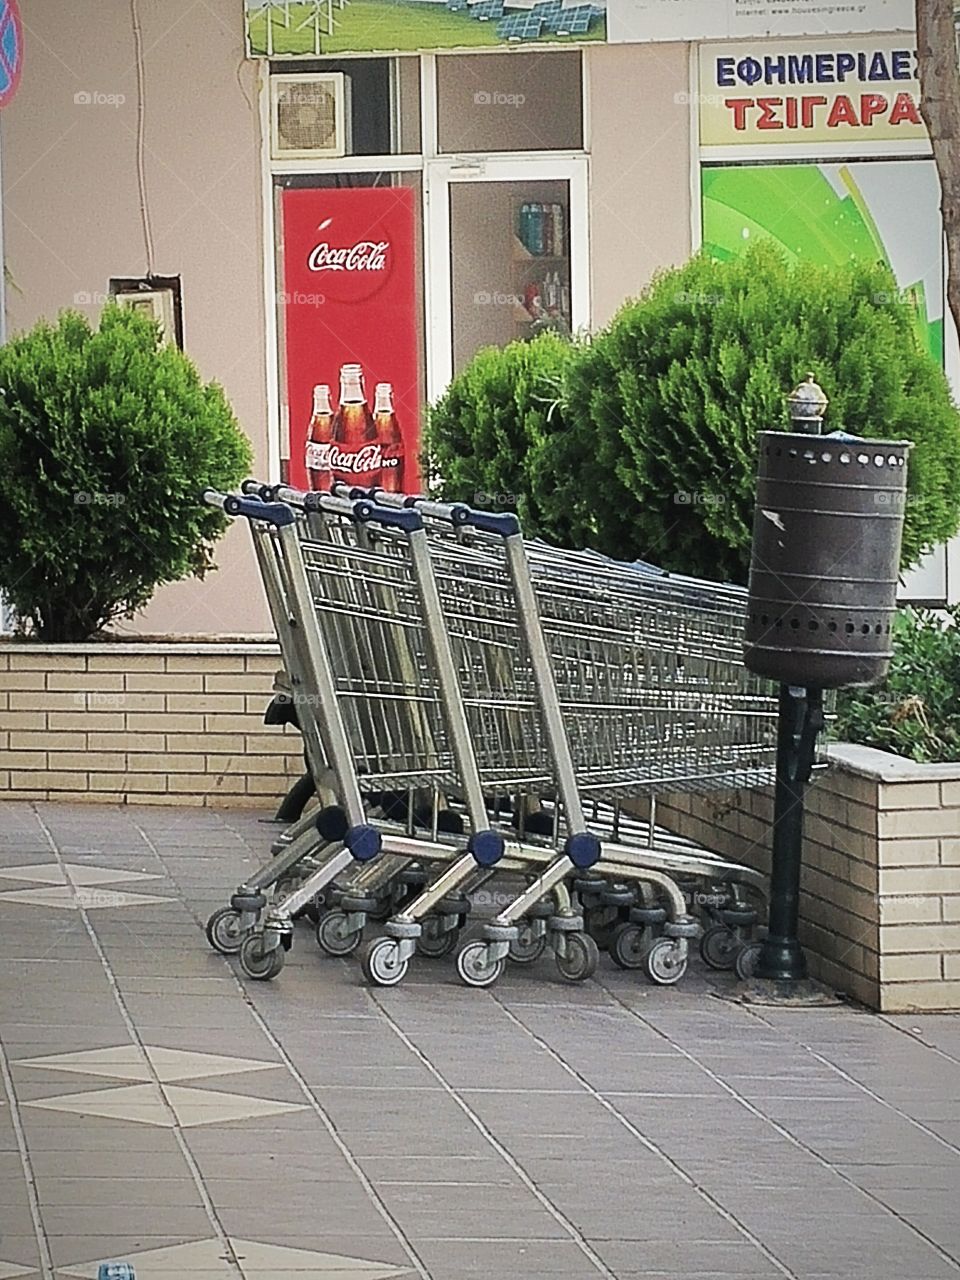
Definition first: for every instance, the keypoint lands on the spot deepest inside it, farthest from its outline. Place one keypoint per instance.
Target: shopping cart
(489, 608)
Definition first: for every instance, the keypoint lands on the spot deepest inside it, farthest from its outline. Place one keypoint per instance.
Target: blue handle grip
(397, 518)
(271, 512)
(505, 524)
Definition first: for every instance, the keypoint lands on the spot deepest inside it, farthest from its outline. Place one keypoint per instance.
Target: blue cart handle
(275, 513)
(391, 517)
(505, 523)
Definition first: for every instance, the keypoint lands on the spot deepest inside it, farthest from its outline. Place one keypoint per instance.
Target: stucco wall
(640, 204)
(72, 212)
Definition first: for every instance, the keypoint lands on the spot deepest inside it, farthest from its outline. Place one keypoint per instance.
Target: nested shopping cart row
(473, 704)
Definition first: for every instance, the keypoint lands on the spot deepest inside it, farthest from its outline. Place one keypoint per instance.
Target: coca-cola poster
(350, 326)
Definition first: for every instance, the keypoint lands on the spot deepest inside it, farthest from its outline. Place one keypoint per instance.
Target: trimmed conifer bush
(107, 440)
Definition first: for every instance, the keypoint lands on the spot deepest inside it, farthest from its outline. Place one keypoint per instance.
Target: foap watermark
(84, 499)
(693, 299)
(698, 498)
(95, 98)
(686, 99)
(83, 298)
(484, 499)
(493, 98)
(298, 298)
(494, 298)
(98, 700)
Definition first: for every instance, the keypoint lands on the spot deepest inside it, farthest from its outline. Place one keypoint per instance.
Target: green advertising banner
(309, 28)
(886, 210)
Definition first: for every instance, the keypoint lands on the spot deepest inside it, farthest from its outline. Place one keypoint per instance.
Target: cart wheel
(333, 936)
(663, 963)
(434, 942)
(628, 945)
(223, 931)
(257, 962)
(528, 946)
(475, 967)
(580, 959)
(381, 963)
(718, 947)
(745, 961)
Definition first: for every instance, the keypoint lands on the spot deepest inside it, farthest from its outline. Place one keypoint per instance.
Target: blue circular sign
(11, 49)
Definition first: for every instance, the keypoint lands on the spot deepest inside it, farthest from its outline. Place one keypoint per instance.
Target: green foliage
(651, 449)
(499, 436)
(915, 712)
(107, 439)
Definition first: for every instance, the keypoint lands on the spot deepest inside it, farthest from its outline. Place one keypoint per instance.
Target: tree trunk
(940, 106)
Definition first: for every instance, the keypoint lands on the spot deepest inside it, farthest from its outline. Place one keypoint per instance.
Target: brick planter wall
(163, 723)
(880, 912)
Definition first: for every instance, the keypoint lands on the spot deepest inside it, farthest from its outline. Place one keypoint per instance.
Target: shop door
(506, 256)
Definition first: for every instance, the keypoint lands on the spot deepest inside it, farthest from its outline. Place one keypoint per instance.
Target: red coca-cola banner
(350, 299)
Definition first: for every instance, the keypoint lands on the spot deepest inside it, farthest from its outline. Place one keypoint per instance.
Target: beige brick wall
(880, 912)
(143, 724)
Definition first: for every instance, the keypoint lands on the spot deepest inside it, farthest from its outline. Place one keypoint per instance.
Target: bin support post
(781, 957)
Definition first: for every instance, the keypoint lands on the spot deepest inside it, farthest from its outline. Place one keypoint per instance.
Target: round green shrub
(499, 436)
(107, 440)
(669, 400)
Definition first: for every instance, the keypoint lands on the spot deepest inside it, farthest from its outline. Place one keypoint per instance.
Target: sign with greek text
(854, 92)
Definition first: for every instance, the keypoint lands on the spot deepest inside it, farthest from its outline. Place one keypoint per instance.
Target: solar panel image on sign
(520, 26)
(484, 10)
(575, 22)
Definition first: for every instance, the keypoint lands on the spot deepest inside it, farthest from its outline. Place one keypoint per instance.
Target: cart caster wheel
(528, 946)
(628, 945)
(580, 959)
(435, 943)
(663, 963)
(334, 938)
(745, 961)
(259, 963)
(475, 967)
(223, 931)
(718, 947)
(381, 963)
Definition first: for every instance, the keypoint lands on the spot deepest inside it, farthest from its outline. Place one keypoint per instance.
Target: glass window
(510, 102)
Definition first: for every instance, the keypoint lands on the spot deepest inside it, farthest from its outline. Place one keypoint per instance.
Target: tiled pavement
(158, 1108)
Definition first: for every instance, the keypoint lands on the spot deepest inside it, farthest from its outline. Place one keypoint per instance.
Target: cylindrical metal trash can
(826, 558)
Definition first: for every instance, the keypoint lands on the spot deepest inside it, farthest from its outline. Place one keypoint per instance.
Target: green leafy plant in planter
(499, 436)
(675, 391)
(915, 712)
(107, 439)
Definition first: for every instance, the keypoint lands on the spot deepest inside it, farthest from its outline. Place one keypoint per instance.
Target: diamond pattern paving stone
(8, 1271)
(145, 1104)
(205, 1260)
(125, 1062)
(72, 873)
(66, 898)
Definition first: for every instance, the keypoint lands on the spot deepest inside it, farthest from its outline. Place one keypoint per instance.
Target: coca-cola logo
(330, 457)
(364, 255)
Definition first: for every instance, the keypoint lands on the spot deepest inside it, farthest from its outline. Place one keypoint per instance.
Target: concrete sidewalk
(161, 1109)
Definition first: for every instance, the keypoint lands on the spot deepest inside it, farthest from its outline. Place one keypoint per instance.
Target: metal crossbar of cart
(481, 577)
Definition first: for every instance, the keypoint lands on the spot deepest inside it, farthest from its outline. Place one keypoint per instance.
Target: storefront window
(509, 102)
(510, 263)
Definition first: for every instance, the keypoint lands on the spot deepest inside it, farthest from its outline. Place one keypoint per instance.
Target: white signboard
(641, 20)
